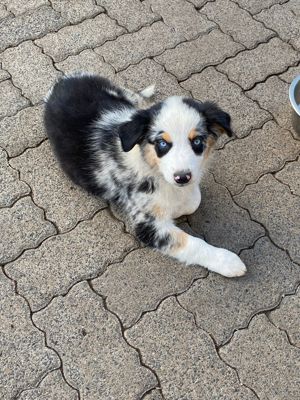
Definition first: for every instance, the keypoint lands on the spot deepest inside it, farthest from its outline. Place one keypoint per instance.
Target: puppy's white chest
(178, 201)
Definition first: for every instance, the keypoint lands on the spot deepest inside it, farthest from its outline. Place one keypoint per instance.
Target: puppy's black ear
(218, 121)
(133, 131)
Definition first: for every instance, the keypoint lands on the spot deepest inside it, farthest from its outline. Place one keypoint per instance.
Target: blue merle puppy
(147, 162)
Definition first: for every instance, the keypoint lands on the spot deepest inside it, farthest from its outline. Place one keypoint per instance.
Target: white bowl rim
(293, 86)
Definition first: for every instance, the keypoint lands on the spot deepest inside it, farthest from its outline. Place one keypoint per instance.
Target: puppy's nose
(182, 177)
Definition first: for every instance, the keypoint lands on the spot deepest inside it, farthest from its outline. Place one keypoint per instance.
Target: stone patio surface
(88, 313)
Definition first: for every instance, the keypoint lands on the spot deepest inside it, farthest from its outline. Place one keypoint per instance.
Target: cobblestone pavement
(87, 312)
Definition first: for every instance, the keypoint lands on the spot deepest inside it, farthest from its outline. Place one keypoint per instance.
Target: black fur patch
(148, 234)
(146, 186)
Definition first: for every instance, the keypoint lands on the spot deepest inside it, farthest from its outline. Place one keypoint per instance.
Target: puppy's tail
(148, 92)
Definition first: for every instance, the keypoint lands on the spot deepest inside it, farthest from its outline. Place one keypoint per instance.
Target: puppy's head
(176, 136)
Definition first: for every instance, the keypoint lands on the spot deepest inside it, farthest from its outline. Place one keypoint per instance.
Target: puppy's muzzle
(182, 177)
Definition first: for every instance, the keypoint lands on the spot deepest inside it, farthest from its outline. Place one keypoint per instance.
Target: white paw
(228, 264)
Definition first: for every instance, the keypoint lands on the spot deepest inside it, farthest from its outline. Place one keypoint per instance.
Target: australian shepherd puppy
(147, 162)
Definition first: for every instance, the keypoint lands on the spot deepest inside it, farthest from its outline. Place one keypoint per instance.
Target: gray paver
(255, 6)
(23, 130)
(230, 303)
(53, 387)
(22, 227)
(273, 95)
(243, 161)
(132, 48)
(284, 19)
(24, 358)
(265, 360)
(290, 74)
(53, 191)
(143, 268)
(237, 23)
(12, 100)
(11, 188)
(287, 317)
(264, 61)
(76, 11)
(3, 12)
(181, 16)
(184, 357)
(18, 7)
(148, 72)
(96, 358)
(290, 175)
(132, 14)
(72, 39)
(3, 75)
(154, 395)
(245, 113)
(29, 26)
(88, 61)
(221, 221)
(37, 74)
(283, 222)
(209, 49)
(68, 258)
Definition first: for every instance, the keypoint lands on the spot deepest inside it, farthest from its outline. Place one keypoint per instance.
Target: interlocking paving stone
(64, 203)
(290, 175)
(11, 99)
(255, 6)
(87, 61)
(18, 7)
(3, 12)
(11, 188)
(221, 221)
(296, 43)
(184, 357)
(284, 19)
(76, 11)
(3, 75)
(22, 227)
(264, 61)
(181, 15)
(273, 95)
(24, 358)
(154, 395)
(30, 25)
(230, 303)
(287, 317)
(148, 72)
(290, 74)
(243, 161)
(53, 387)
(72, 39)
(143, 268)
(213, 86)
(23, 130)
(96, 358)
(209, 49)
(37, 74)
(265, 360)
(68, 258)
(237, 23)
(271, 203)
(199, 3)
(132, 14)
(132, 48)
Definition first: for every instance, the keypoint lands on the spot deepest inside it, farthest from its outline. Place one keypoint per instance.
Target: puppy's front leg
(169, 239)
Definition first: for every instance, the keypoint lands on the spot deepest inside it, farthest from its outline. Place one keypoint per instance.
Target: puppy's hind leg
(163, 235)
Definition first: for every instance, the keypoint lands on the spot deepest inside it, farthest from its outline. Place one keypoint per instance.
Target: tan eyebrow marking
(166, 137)
(193, 133)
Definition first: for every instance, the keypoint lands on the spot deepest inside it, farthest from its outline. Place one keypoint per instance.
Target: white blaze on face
(178, 120)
